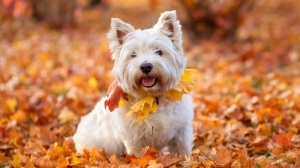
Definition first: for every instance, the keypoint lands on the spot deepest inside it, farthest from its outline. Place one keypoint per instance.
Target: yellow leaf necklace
(150, 104)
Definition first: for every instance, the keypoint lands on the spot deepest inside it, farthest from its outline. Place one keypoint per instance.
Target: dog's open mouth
(149, 81)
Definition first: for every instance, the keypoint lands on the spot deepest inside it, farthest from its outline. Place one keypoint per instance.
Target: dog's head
(147, 62)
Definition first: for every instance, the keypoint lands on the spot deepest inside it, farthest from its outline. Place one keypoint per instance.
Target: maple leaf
(223, 157)
(4, 158)
(34, 148)
(62, 162)
(114, 95)
(242, 159)
(16, 162)
(168, 161)
(184, 86)
(66, 115)
(11, 104)
(76, 160)
(147, 155)
(282, 139)
(19, 116)
(143, 107)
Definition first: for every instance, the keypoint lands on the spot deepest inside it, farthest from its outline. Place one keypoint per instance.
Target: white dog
(146, 63)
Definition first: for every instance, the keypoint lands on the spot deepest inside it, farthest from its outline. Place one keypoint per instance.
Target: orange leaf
(19, 116)
(282, 140)
(223, 157)
(147, 155)
(55, 152)
(62, 162)
(244, 160)
(3, 158)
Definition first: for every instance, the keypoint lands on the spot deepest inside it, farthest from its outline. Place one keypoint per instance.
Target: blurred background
(213, 19)
(55, 65)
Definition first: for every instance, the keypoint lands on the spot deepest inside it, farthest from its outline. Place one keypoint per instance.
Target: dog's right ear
(117, 33)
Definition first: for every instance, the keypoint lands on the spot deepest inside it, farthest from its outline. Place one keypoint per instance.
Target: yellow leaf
(76, 160)
(92, 82)
(142, 115)
(208, 163)
(121, 102)
(184, 86)
(143, 107)
(16, 162)
(187, 75)
(140, 104)
(11, 104)
(175, 95)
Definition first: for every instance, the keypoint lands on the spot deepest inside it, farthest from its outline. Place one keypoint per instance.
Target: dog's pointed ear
(170, 26)
(117, 33)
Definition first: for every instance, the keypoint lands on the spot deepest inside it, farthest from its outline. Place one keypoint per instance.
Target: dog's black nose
(146, 67)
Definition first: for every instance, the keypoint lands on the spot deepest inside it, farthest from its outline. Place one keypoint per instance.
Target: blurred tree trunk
(216, 19)
(57, 13)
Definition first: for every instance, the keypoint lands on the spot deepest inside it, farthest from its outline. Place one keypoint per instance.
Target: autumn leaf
(114, 95)
(66, 115)
(143, 107)
(92, 82)
(282, 140)
(34, 148)
(11, 104)
(4, 158)
(184, 86)
(147, 155)
(16, 162)
(246, 96)
(19, 116)
(223, 157)
(62, 162)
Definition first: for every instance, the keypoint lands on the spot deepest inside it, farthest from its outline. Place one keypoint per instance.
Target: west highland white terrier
(148, 67)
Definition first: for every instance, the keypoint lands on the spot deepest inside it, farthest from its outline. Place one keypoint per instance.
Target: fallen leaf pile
(246, 94)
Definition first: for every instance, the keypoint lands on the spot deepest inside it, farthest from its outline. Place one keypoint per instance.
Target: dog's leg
(182, 143)
(133, 148)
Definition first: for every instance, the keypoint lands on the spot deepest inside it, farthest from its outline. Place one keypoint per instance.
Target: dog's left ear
(170, 26)
(117, 33)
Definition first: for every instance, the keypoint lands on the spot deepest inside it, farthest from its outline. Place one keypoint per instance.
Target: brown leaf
(43, 161)
(34, 148)
(242, 158)
(114, 94)
(167, 161)
(223, 157)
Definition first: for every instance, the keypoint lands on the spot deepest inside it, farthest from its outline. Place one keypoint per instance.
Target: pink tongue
(148, 81)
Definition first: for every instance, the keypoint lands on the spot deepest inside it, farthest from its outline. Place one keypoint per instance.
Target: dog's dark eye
(159, 52)
(133, 55)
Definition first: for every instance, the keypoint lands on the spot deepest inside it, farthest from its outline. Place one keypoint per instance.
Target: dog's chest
(159, 128)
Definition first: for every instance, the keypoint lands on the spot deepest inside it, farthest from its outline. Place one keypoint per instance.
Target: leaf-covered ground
(247, 94)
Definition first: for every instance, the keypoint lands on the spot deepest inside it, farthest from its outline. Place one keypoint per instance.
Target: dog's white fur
(171, 126)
